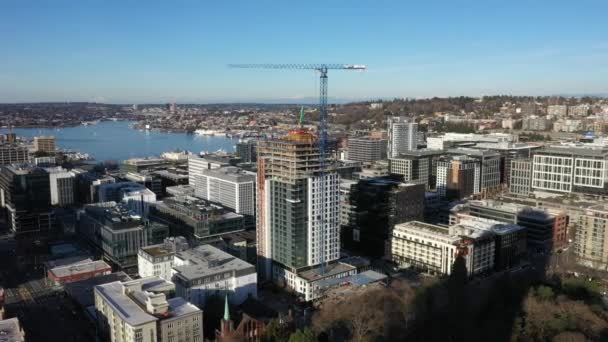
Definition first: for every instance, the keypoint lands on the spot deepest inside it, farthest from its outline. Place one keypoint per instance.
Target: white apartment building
(323, 234)
(157, 260)
(206, 270)
(133, 312)
(402, 136)
(228, 186)
(481, 251)
(424, 246)
(62, 186)
(196, 165)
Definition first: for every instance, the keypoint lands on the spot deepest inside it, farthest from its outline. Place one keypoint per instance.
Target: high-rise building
(579, 110)
(44, 144)
(25, 193)
(119, 234)
(591, 236)
(196, 218)
(508, 151)
(521, 177)
(489, 161)
(347, 210)
(11, 153)
(298, 210)
(510, 239)
(135, 311)
(246, 150)
(138, 165)
(378, 204)
(230, 187)
(416, 166)
(557, 111)
(528, 108)
(571, 169)
(366, 149)
(196, 165)
(535, 123)
(402, 136)
(546, 229)
(457, 176)
(62, 186)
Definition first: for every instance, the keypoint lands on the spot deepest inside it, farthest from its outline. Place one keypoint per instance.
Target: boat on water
(209, 132)
(87, 123)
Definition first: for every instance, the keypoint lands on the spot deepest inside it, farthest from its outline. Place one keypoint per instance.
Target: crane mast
(322, 130)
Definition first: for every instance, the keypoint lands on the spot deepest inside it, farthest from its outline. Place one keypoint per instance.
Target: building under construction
(296, 231)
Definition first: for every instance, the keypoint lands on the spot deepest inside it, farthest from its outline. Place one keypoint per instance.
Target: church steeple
(226, 309)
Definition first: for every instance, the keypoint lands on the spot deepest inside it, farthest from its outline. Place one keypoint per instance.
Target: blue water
(111, 140)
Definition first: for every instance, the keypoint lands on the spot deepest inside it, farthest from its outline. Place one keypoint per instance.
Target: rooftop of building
(506, 145)
(171, 174)
(459, 157)
(24, 169)
(367, 138)
(157, 250)
(180, 190)
(154, 284)
(126, 308)
(195, 206)
(67, 261)
(576, 150)
(488, 224)
(206, 260)
(328, 271)
(231, 174)
(145, 161)
(10, 330)
(80, 267)
(82, 290)
(116, 215)
(424, 152)
(421, 226)
(473, 152)
(212, 157)
(236, 237)
(514, 208)
(356, 280)
(180, 307)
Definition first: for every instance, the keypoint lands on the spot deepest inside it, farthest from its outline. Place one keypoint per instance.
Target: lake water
(111, 140)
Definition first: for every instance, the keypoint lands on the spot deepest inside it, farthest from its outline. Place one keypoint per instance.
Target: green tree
(275, 332)
(544, 293)
(305, 335)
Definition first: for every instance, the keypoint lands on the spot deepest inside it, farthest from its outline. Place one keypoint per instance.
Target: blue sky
(122, 51)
